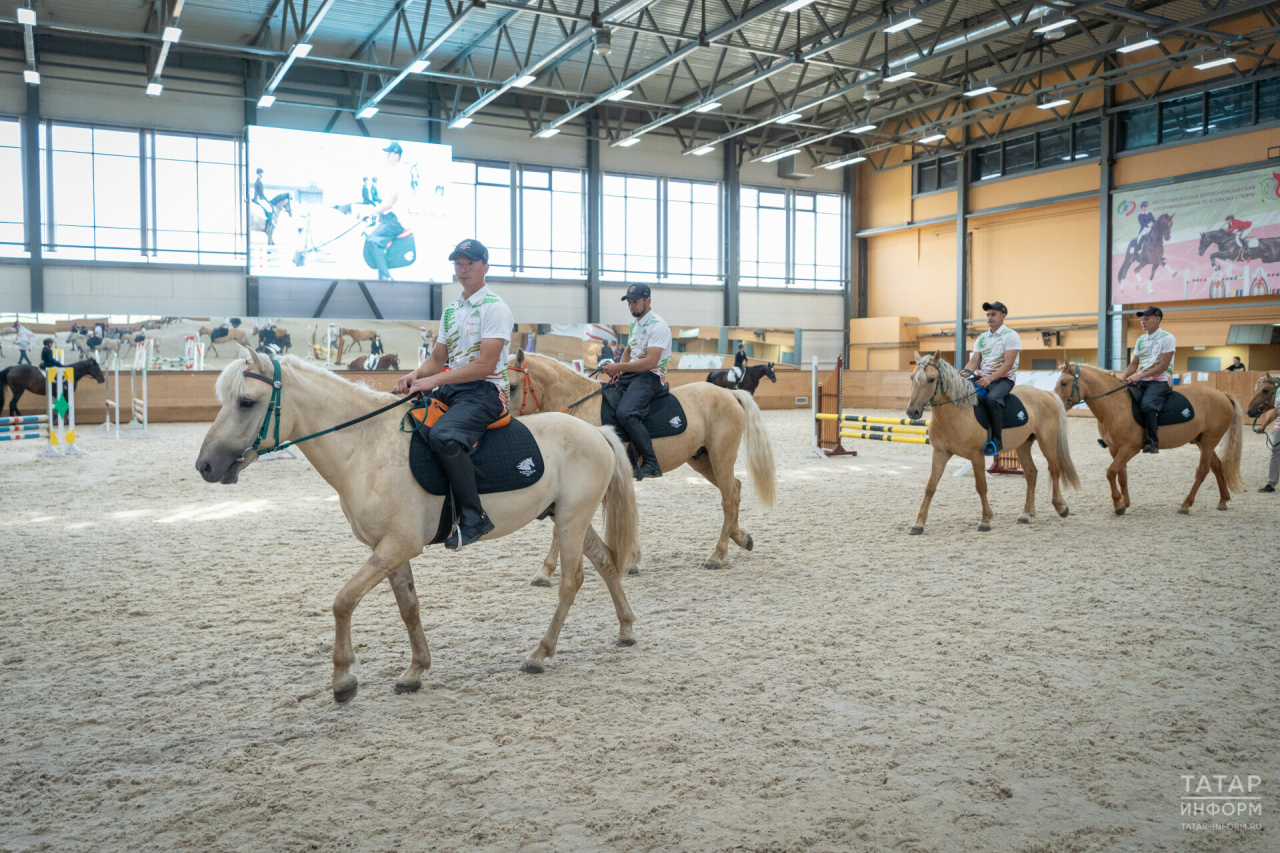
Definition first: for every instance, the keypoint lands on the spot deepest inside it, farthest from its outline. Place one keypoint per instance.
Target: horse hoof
(1222, 507)
(1024, 519)
(1120, 510)
(983, 528)
(711, 564)
(344, 694)
(625, 641)
(751, 544)
(633, 571)
(1182, 510)
(1065, 511)
(915, 530)
(532, 667)
(539, 582)
(408, 687)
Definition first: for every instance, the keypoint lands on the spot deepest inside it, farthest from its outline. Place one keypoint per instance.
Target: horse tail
(1067, 467)
(4, 383)
(1231, 453)
(621, 519)
(759, 450)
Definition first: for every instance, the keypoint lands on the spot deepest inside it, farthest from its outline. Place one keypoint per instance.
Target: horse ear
(915, 356)
(519, 356)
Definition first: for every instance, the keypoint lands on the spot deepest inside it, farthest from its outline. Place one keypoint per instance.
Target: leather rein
(528, 390)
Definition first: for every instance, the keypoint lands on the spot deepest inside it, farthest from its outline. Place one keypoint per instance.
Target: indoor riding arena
(656, 426)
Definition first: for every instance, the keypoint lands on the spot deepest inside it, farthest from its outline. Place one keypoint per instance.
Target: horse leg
(1202, 468)
(730, 491)
(543, 577)
(980, 483)
(407, 600)
(940, 459)
(1118, 476)
(1049, 447)
(1029, 473)
(18, 391)
(572, 534)
(375, 569)
(594, 549)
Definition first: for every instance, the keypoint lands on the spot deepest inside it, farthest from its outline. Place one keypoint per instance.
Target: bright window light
(460, 123)
(621, 94)
(27, 17)
(1138, 45)
(1057, 102)
(706, 108)
(863, 129)
(704, 150)
(300, 50)
(934, 138)
(780, 155)
(901, 75)
(154, 89)
(419, 65)
(980, 90)
(1214, 63)
(796, 4)
(266, 101)
(787, 119)
(523, 81)
(1056, 25)
(627, 143)
(903, 24)
(31, 77)
(548, 133)
(367, 112)
(171, 34)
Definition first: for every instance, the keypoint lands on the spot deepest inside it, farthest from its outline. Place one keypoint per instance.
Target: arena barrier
(828, 399)
(109, 424)
(24, 428)
(138, 381)
(193, 353)
(60, 412)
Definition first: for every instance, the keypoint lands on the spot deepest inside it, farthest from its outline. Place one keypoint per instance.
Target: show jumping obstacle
(60, 406)
(138, 378)
(24, 428)
(193, 353)
(110, 425)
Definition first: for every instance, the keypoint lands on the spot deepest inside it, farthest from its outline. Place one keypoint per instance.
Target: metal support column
(1106, 168)
(31, 180)
(848, 259)
(252, 85)
(434, 125)
(962, 259)
(732, 231)
(595, 214)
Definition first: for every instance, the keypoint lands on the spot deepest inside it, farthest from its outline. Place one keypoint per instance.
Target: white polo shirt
(466, 322)
(1148, 350)
(648, 332)
(992, 346)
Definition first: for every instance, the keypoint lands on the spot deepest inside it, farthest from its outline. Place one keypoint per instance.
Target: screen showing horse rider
(1208, 239)
(329, 206)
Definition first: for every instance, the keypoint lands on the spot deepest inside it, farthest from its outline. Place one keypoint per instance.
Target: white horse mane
(951, 379)
(230, 384)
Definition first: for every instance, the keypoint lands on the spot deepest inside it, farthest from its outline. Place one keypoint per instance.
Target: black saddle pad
(506, 459)
(1015, 414)
(666, 415)
(402, 252)
(1177, 409)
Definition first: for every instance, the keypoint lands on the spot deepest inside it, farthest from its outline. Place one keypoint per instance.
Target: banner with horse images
(323, 205)
(1205, 239)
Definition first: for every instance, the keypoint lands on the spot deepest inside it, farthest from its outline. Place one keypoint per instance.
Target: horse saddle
(1015, 414)
(402, 251)
(218, 333)
(665, 419)
(1177, 409)
(734, 375)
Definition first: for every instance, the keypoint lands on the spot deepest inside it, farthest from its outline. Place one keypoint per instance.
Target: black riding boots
(472, 521)
(643, 446)
(1152, 444)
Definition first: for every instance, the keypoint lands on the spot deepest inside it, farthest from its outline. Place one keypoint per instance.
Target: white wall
(679, 306)
(800, 310)
(293, 297)
(105, 289)
(536, 302)
(15, 288)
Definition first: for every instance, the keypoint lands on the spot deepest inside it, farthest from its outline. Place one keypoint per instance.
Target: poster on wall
(329, 206)
(1205, 239)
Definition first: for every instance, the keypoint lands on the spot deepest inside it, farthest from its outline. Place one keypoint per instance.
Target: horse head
(1165, 225)
(89, 367)
(393, 362)
(1205, 242)
(768, 371)
(1265, 395)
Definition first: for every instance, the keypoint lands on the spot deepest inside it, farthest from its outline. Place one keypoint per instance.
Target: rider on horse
(1146, 220)
(739, 369)
(46, 355)
(995, 362)
(642, 374)
(1148, 373)
(1236, 229)
(467, 372)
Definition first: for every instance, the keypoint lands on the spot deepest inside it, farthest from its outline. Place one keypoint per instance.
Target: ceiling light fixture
(791, 152)
(1055, 25)
(1214, 63)
(1056, 102)
(460, 123)
(620, 95)
(300, 50)
(419, 65)
(266, 101)
(154, 89)
(367, 112)
(706, 108)
(840, 164)
(704, 150)
(548, 133)
(32, 78)
(27, 17)
(171, 34)
(627, 143)
(863, 129)
(901, 75)
(787, 119)
(1147, 41)
(523, 81)
(980, 90)
(796, 4)
(934, 138)
(897, 25)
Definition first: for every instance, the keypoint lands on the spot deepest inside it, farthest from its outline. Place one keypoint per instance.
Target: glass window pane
(1230, 108)
(175, 193)
(1054, 146)
(706, 193)
(73, 190)
(1138, 128)
(491, 175)
(829, 204)
(217, 195)
(1269, 100)
(71, 138)
(679, 190)
(493, 216)
(534, 178)
(948, 168)
(927, 177)
(217, 150)
(1181, 118)
(615, 185)
(537, 220)
(642, 187)
(175, 147)
(115, 193)
(1019, 155)
(986, 162)
(768, 199)
(749, 197)
(706, 237)
(10, 134)
(1088, 138)
(806, 233)
(463, 172)
(562, 181)
(115, 142)
(804, 202)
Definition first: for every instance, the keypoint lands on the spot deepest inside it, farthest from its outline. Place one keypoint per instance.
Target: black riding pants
(638, 390)
(1151, 394)
(472, 407)
(380, 239)
(994, 401)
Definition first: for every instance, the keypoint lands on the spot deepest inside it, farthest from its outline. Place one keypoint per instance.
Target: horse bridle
(938, 387)
(1079, 396)
(527, 390)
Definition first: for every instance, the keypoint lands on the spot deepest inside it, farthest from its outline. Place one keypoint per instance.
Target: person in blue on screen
(395, 182)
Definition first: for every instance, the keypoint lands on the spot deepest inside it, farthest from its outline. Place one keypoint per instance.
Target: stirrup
(648, 471)
(990, 449)
(457, 539)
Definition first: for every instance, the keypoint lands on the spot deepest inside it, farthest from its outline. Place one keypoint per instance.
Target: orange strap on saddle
(435, 409)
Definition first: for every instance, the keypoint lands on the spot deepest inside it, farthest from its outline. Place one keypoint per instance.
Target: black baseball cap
(472, 249)
(995, 306)
(394, 148)
(636, 292)
(1152, 311)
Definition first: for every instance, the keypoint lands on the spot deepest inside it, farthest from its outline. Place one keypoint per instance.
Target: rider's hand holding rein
(431, 374)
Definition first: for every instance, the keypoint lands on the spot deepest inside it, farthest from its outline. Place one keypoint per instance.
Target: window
(1230, 108)
(1020, 155)
(810, 223)
(482, 192)
(1053, 147)
(1138, 128)
(1181, 118)
(764, 238)
(692, 232)
(1087, 139)
(927, 176)
(986, 162)
(96, 194)
(196, 201)
(948, 169)
(630, 232)
(937, 174)
(551, 223)
(818, 241)
(12, 236)
(1269, 100)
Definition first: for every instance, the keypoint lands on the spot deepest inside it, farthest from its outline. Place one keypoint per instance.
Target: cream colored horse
(1216, 415)
(368, 465)
(953, 430)
(718, 420)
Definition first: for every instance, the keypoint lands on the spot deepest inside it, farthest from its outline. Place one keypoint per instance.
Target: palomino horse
(716, 422)
(368, 465)
(232, 335)
(24, 377)
(357, 335)
(953, 430)
(1216, 415)
(391, 361)
(1152, 252)
(281, 205)
(1267, 250)
(750, 381)
(1264, 395)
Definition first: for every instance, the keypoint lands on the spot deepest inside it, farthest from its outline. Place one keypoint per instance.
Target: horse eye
(933, 380)
(247, 402)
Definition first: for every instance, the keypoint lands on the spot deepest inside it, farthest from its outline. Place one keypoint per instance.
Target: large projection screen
(313, 218)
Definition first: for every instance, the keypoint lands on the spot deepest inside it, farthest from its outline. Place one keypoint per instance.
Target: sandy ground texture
(845, 686)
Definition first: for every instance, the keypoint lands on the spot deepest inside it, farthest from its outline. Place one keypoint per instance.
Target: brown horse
(390, 361)
(1152, 252)
(1264, 396)
(1216, 415)
(24, 377)
(717, 422)
(357, 335)
(954, 430)
(234, 335)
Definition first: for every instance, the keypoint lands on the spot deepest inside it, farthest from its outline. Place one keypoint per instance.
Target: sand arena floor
(167, 646)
